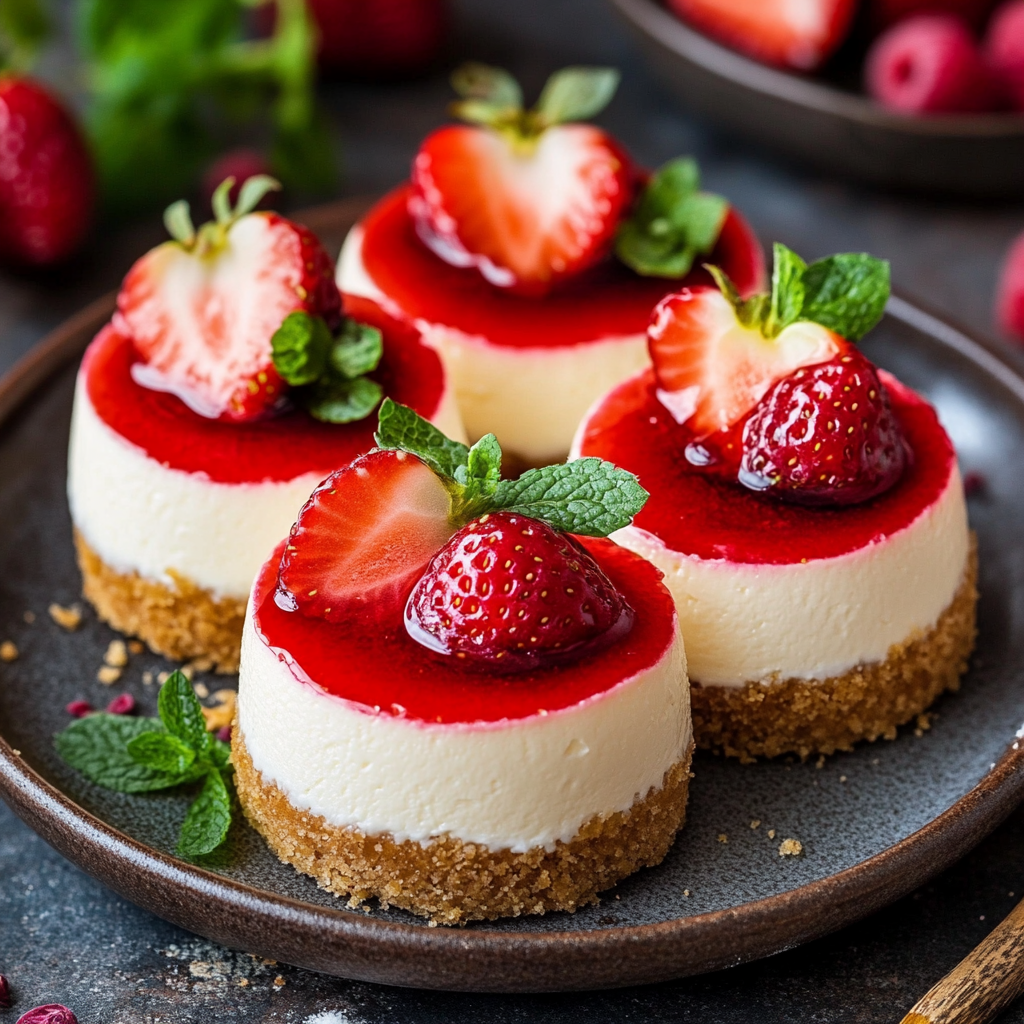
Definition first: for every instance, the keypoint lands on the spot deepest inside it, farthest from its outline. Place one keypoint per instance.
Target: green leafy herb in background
(24, 26)
(168, 80)
(141, 755)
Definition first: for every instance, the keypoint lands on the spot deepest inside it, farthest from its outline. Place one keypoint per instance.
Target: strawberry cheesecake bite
(228, 384)
(530, 251)
(455, 695)
(806, 509)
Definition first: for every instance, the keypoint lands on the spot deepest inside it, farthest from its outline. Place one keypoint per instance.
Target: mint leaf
(97, 746)
(480, 476)
(400, 427)
(343, 401)
(587, 496)
(300, 348)
(206, 824)
(162, 752)
(220, 755)
(357, 350)
(787, 289)
(182, 714)
(846, 293)
(576, 94)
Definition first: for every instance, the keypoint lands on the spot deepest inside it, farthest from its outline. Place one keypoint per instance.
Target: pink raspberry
(1004, 49)
(224, 734)
(5, 994)
(50, 1014)
(1010, 293)
(123, 705)
(79, 708)
(929, 64)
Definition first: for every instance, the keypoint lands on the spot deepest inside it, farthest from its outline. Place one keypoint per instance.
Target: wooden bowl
(976, 155)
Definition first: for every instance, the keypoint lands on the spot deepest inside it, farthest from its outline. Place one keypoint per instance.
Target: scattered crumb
(67, 618)
(279, 982)
(820, 763)
(29, 617)
(202, 690)
(924, 721)
(756, 823)
(187, 671)
(223, 713)
(8, 652)
(117, 654)
(136, 646)
(108, 675)
(162, 677)
(201, 664)
(243, 982)
(771, 833)
(981, 917)
(874, 760)
(147, 678)
(842, 778)
(790, 848)
(1009, 894)
(722, 837)
(918, 733)
(686, 892)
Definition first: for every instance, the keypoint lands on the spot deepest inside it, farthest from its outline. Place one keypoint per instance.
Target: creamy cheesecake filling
(141, 516)
(511, 785)
(532, 399)
(814, 620)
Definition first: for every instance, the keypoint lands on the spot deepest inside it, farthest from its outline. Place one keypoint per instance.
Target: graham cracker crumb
(202, 691)
(135, 647)
(29, 617)
(201, 664)
(117, 654)
(756, 823)
(686, 892)
(147, 678)
(67, 618)
(790, 848)
(842, 778)
(108, 675)
(820, 763)
(162, 677)
(771, 833)
(8, 651)
(243, 982)
(279, 982)
(722, 837)
(223, 713)
(924, 722)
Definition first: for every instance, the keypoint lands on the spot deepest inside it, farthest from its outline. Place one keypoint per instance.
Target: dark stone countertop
(64, 938)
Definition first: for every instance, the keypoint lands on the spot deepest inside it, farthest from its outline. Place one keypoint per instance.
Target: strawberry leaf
(208, 819)
(493, 86)
(399, 427)
(846, 293)
(343, 401)
(300, 348)
(576, 94)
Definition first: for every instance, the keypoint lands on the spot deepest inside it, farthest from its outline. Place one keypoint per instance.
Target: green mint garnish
(673, 223)
(141, 755)
(587, 496)
(492, 97)
(328, 371)
(846, 293)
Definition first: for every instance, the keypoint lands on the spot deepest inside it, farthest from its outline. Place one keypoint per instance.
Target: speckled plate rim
(656, 21)
(354, 945)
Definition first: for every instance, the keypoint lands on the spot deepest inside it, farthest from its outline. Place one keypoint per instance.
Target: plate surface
(976, 155)
(874, 823)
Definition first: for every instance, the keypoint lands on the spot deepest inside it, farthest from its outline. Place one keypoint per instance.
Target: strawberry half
(508, 592)
(363, 538)
(201, 309)
(522, 196)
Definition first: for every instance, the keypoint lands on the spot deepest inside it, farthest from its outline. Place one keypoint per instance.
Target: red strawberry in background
(523, 196)
(240, 164)
(796, 35)
(47, 181)
(1004, 50)
(510, 591)
(202, 309)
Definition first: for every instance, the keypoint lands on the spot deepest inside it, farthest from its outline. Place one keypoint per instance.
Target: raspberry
(1010, 293)
(49, 1014)
(1004, 50)
(79, 708)
(123, 705)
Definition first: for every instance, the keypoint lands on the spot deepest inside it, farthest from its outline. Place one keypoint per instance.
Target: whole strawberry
(825, 435)
(510, 591)
(47, 181)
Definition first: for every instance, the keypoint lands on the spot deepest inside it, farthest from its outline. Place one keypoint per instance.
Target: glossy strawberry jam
(697, 514)
(385, 669)
(606, 301)
(279, 448)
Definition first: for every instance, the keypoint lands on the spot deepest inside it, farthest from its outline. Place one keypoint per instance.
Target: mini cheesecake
(174, 511)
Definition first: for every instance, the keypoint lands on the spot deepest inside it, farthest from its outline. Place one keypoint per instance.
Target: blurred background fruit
(1010, 293)
(883, 13)
(1004, 50)
(240, 164)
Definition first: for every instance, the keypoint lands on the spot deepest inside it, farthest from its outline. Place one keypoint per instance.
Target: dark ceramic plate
(817, 122)
(874, 823)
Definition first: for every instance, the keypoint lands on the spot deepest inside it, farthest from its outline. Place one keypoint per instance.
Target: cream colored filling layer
(532, 399)
(512, 785)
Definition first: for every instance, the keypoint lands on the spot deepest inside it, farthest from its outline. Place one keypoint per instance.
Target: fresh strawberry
(522, 196)
(47, 182)
(712, 370)
(511, 591)
(825, 435)
(1004, 50)
(797, 35)
(364, 537)
(884, 13)
(202, 309)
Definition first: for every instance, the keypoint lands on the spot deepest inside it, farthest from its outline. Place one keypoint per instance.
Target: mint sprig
(329, 371)
(846, 293)
(673, 223)
(142, 755)
(587, 496)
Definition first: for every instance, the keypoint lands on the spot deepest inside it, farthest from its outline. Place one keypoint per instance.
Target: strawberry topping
(509, 592)
(363, 538)
(825, 435)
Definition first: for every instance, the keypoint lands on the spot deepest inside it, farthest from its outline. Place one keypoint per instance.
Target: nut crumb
(136, 646)
(790, 848)
(243, 982)
(686, 892)
(187, 671)
(162, 677)
(924, 721)
(147, 678)
(722, 837)
(29, 617)
(223, 713)
(771, 833)
(201, 664)
(202, 691)
(820, 763)
(117, 654)
(756, 823)
(279, 982)
(67, 618)
(8, 652)
(108, 675)
(842, 778)
(919, 733)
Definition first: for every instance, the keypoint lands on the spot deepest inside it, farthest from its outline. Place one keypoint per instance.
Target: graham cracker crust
(183, 623)
(450, 881)
(804, 717)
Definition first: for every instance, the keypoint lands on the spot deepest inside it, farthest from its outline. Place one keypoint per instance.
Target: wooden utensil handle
(985, 982)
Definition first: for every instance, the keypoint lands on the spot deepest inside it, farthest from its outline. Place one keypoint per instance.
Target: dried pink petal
(50, 1014)
(224, 734)
(5, 993)
(79, 708)
(123, 705)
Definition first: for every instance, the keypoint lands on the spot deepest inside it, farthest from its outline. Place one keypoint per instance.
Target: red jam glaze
(606, 301)
(276, 449)
(386, 669)
(694, 513)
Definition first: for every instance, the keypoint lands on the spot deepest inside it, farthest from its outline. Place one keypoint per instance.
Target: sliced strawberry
(825, 435)
(364, 537)
(797, 35)
(202, 317)
(510, 592)
(527, 214)
(712, 370)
